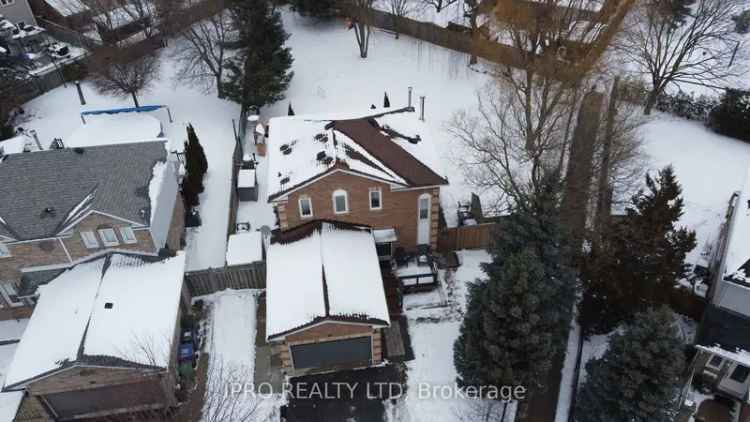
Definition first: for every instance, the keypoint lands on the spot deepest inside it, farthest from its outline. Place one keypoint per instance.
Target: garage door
(70, 404)
(349, 352)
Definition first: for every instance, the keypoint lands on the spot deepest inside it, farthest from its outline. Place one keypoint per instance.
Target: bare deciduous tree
(439, 4)
(120, 72)
(222, 404)
(487, 411)
(704, 50)
(402, 9)
(201, 52)
(360, 16)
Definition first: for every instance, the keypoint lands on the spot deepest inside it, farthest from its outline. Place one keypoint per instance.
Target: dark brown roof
(369, 135)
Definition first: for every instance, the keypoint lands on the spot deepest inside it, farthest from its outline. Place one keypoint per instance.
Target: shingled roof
(44, 191)
(392, 146)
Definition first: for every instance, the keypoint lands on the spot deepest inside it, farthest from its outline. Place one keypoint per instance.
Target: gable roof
(113, 179)
(392, 146)
(309, 282)
(96, 314)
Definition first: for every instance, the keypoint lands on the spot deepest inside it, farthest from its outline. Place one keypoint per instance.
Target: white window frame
(103, 236)
(340, 192)
(89, 240)
(716, 367)
(128, 235)
(4, 251)
(4, 3)
(380, 199)
(309, 201)
(7, 290)
(424, 197)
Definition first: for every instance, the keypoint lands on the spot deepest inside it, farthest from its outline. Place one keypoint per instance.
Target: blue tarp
(123, 110)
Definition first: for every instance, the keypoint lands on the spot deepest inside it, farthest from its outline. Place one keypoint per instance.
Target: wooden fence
(248, 276)
(467, 237)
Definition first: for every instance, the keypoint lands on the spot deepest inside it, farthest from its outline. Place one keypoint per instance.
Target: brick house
(378, 170)
(63, 206)
(325, 312)
(96, 346)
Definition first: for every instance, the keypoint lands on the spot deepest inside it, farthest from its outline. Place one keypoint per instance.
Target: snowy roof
(112, 179)
(120, 16)
(97, 313)
(106, 129)
(245, 248)
(9, 404)
(246, 178)
(18, 144)
(385, 235)
(67, 7)
(323, 271)
(392, 146)
(738, 248)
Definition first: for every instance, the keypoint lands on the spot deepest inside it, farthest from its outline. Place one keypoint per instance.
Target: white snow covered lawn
(231, 348)
(432, 341)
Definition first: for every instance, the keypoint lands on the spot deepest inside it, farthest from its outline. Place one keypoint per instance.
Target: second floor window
(340, 202)
(376, 199)
(90, 240)
(4, 251)
(128, 235)
(305, 207)
(6, 2)
(109, 238)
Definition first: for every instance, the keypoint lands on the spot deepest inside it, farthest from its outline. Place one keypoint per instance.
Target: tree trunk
(651, 101)
(135, 99)
(219, 88)
(604, 199)
(474, 37)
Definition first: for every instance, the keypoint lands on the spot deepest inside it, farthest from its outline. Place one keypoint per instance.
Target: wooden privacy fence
(467, 237)
(248, 276)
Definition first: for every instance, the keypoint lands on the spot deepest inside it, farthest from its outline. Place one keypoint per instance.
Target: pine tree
(638, 378)
(517, 323)
(641, 260)
(315, 8)
(196, 167)
(386, 101)
(259, 73)
(290, 110)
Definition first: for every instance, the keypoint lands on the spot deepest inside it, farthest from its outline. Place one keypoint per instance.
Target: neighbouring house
(377, 169)
(17, 11)
(103, 340)
(723, 361)
(326, 304)
(68, 13)
(62, 206)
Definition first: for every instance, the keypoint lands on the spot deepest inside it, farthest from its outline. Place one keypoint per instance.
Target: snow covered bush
(687, 105)
(732, 116)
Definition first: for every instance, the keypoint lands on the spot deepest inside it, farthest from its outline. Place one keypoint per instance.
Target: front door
(424, 209)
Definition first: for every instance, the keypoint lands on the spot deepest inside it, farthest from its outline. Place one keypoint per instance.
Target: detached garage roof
(118, 310)
(320, 271)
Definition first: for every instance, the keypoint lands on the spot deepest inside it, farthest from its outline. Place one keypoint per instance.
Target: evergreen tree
(517, 322)
(638, 378)
(290, 110)
(315, 8)
(386, 101)
(259, 73)
(639, 263)
(676, 10)
(196, 167)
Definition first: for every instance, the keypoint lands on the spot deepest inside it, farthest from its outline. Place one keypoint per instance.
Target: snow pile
(309, 278)
(105, 129)
(246, 178)
(12, 329)
(84, 312)
(245, 248)
(18, 144)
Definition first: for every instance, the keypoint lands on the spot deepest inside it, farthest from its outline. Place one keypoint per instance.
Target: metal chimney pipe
(36, 139)
(421, 108)
(410, 88)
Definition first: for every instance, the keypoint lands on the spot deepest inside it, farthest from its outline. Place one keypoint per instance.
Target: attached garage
(330, 354)
(69, 404)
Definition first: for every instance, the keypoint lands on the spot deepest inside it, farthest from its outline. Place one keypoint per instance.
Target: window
(128, 235)
(109, 238)
(6, 2)
(376, 199)
(10, 295)
(340, 202)
(740, 374)
(305, 207)
(89, 239)
(715, 362)
(424, 208)
(4, 251)
(384, 250)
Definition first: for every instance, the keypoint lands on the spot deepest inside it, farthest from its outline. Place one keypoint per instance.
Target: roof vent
(57, 143)
(50, 211)
(327, 161)
(284, 181)
(748, 204)
(284, 148)
(287, 151)
(415, 140)
(321, 137)
(109, 305)
(79, 150)
(321, 156)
